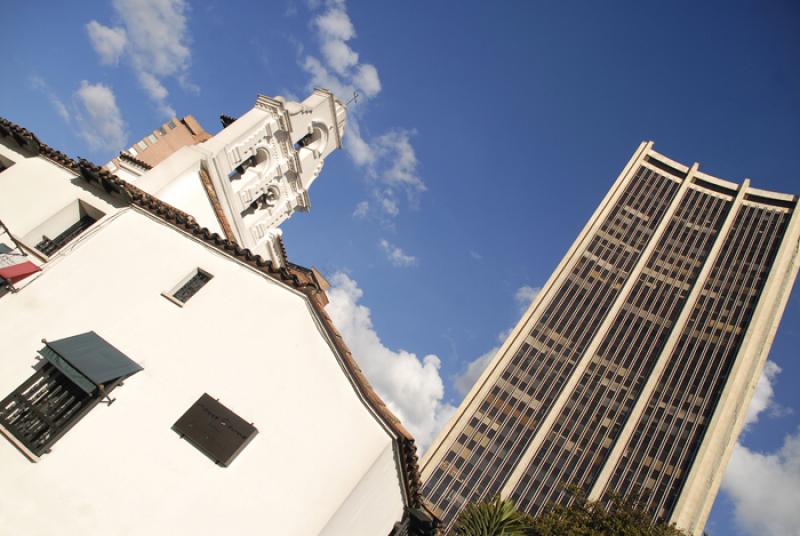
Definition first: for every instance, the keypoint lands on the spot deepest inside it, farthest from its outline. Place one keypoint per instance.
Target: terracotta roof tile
(205, 179)
(135, 161)
(282, 250)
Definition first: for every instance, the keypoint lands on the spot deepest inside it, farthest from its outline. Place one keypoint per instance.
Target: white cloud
(464, 381)
(157, 33)
(320, 76)
(157, 92)
(39, 84)
(391, 164)
(99, 119)
(358, 149)
(525, 295)
(60, 108)
(335, 25)
(389, 160)
(362, 209)
(155, 39)
(765, 489)
(411, 387)
(397, 256)
(394, 149)
(341, 72)
(764, 486)
(475, 255)
(367, 80)
(389, 206)
(339, 56)
(763, 396)
(109, 43)
(152, 86)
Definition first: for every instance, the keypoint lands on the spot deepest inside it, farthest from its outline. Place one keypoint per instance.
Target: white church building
(165, 369)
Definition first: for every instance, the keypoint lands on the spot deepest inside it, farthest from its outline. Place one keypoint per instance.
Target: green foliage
(496, 518)
(613, 516)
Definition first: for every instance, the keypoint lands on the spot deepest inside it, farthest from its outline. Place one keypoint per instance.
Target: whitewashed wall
(321, 460)
(34, 189)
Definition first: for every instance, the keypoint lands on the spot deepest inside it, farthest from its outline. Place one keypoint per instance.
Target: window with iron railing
(75, 375)
(188, 287)
(48, 246)
(62, 227)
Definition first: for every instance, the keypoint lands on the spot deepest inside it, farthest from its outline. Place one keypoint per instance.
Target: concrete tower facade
(633, 369)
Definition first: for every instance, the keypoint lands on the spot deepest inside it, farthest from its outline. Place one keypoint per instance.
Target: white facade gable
(320, 454)
(327, 459)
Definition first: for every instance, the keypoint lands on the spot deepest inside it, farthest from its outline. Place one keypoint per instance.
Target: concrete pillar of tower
(705, 476)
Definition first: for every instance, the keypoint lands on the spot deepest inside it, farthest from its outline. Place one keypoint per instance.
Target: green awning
(89, 360)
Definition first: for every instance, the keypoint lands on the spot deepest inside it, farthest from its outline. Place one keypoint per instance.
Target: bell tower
(262, 165)
(248, 179)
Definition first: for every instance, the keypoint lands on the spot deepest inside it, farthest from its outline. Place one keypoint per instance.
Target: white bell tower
(248, 179)
(262, 165)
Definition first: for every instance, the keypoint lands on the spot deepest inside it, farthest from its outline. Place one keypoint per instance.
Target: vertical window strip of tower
(599, 318)
(493, 439)
(648, 461)
(691, 433)
(669, 433)
(546, 452)
(490, 407)
(559, 304)
(637, 437)
(633, 330)
(722, 357)
(550, 398)
(580, 404)
(568, 403)
(593, 324)
(576, 448)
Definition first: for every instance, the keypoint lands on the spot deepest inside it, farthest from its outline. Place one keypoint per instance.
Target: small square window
(132, 151)
(142, 145)
(152, 138)
(188, 287)
(162, 131)
(171, 124)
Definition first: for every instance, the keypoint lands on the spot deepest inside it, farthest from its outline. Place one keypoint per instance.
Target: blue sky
(483, 139)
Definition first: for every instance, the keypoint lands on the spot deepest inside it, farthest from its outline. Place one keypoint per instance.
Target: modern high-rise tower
(633, 369)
